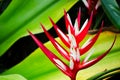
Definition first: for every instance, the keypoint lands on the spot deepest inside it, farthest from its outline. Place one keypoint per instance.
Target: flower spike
(72, 40)
(53, 58)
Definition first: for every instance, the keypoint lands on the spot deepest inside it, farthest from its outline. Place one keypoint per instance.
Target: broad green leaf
(12, 77)
(21, 15)
(38, 67)
(112, 10)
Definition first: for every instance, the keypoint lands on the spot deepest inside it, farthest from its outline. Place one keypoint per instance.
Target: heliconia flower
(71, 40)
(92, 5)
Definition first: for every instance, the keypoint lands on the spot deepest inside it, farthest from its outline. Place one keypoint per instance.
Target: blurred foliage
(23, 14)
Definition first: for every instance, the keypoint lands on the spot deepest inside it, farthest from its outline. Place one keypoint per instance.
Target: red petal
(68, 24)
(60, 49)
(53, 58)
(61, 35)
(83, 33)
(91, 42)
(94, 61)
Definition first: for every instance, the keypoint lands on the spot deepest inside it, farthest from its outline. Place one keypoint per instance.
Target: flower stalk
(72, 40)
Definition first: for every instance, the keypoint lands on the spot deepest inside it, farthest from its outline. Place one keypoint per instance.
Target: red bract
(92, 5)
(59, 63)
(71, 40)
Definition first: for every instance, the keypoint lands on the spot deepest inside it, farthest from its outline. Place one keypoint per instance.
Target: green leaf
(21, 15)
(105, 74)
(112, 10)
(38, 67)
(12, 77)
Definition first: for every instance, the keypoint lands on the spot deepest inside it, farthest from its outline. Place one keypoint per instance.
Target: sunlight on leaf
(23, 14)
(12, 77)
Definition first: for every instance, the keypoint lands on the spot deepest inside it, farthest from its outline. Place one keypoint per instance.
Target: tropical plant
(21, 15)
